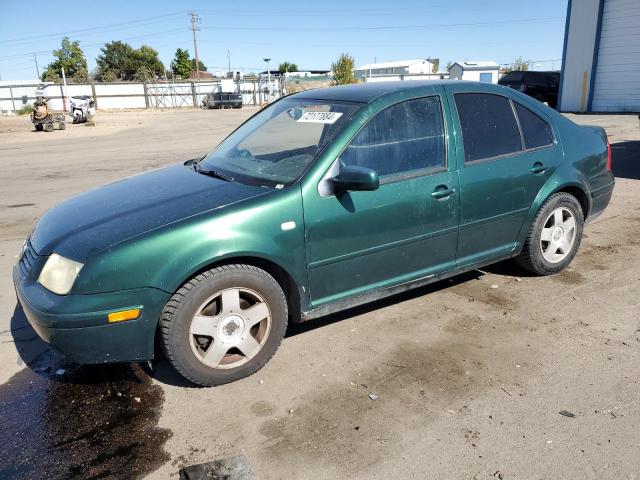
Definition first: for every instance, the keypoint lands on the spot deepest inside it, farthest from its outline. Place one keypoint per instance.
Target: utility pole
(229, 60)
(267, 60)
(35, 58)
(195, 19)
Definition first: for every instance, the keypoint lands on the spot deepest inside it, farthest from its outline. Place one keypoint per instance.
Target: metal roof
(477, 65)
(396, 64)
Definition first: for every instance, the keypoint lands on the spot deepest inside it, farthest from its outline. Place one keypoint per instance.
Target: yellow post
(583, 100)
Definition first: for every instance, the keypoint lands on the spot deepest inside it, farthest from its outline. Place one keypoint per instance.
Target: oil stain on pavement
(85, 422)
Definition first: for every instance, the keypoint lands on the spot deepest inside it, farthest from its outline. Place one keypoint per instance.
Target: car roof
(367, 92)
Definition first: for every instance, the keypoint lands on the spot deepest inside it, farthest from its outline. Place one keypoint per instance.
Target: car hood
(100, 218)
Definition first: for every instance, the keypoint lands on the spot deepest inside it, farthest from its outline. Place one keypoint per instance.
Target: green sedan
(325, 200)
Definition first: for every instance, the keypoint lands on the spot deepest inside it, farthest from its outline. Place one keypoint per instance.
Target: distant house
(394, 70)
(478, 71)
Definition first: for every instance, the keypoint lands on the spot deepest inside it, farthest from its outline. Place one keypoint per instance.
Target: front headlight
(59, 273)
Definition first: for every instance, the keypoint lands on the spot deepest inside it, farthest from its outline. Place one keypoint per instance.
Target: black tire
(39, 127)
(178, 313)
(531, 258)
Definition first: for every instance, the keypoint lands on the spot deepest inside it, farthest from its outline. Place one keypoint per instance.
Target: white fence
(137, 95)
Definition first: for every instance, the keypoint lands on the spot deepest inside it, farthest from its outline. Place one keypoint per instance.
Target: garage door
(617, 82)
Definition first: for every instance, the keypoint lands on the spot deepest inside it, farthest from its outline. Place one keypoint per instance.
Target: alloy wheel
(230, 328)
(558, 235)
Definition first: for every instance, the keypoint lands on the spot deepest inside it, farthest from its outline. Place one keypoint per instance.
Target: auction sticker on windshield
(319, 117)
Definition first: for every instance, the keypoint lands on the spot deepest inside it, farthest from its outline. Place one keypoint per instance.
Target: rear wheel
(554, 237)
(48, 127)
(224, 324)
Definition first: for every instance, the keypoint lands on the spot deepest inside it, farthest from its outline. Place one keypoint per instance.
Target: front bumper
(76, 325)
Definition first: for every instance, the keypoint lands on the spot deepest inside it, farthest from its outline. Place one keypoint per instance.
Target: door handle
(442, 192)
(538, 168)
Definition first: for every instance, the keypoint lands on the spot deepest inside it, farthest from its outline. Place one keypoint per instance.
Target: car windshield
(276, 145)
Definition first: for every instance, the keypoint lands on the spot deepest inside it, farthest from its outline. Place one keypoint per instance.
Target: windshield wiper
(212, 173)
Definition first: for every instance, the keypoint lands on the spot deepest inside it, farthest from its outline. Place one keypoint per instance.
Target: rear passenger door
(508, 153)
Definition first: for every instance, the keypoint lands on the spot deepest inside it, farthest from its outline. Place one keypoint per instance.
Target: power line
(113, 26)
(98, 44)
(341, 12)
(396, 27)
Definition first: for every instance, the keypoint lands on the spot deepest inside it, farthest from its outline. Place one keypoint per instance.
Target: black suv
(542, 86)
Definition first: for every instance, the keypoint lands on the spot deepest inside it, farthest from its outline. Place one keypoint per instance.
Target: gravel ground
(462, 379)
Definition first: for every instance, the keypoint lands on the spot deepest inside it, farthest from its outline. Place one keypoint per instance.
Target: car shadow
(625, 159)
(43, 361)
(72, 421)
(299, 328)
(32, 350)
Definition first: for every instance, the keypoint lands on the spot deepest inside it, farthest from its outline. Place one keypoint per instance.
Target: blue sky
(310, 34)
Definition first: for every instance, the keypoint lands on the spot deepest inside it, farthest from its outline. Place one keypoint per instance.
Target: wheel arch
(292, 291)
(578, 192)
(575, 188)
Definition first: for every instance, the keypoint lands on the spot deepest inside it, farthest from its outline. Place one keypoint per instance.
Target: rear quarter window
(489, 127)
(535, 131)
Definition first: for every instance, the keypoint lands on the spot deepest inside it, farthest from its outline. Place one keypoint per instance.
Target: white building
(601, 58)
(477, 71)
(394, 70)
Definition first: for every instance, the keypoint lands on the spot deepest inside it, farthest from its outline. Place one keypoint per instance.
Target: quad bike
(43, 119)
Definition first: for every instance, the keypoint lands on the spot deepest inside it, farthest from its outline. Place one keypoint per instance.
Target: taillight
(609, 161)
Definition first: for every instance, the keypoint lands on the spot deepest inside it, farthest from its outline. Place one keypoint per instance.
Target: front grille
(28, 258)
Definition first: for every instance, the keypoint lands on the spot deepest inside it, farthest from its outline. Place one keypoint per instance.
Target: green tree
(181, 64)
(449, 65)
(519, 64)
(202, 66)
(436, 65)
(70, 57)
(287, 67)
(148, 57)
(343, 70)
(120, 61)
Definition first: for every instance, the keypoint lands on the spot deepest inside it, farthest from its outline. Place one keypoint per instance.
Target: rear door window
(403, 139)
(535, 131)
(489, 127)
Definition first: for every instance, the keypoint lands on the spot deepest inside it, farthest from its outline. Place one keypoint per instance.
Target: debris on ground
(233, 468)
(373, 396)
(567, 413)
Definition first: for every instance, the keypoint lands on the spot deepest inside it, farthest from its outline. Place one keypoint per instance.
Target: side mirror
(356, 178)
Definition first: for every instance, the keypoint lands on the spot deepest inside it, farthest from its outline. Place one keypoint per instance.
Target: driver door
(359, 241)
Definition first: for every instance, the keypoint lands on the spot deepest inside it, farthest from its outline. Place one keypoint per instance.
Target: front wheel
(224, 324)
(554, 237)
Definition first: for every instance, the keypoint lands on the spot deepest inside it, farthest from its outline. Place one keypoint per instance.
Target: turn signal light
(124, 315)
